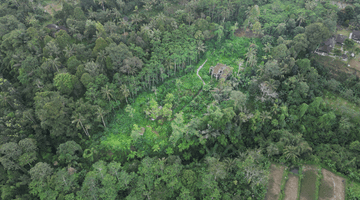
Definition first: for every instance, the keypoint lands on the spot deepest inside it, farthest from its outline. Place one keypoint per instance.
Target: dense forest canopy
(116, 99)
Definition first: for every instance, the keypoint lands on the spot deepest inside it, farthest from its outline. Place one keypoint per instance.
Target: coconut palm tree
(291, 152)
(54, 63)
(101, 114)
(267, 48)
(107, 92)
(79, 119)
(69, 51)
(301, 18)
(125, 91)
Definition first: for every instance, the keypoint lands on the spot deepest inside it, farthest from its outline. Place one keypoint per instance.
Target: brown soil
(244, 33)
(355, 63)
(291, 187)
(332, 186)
(49, 8)
(276, 175)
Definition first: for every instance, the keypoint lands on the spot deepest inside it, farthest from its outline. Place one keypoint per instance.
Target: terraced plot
(331, 187)
(276, 175)
(308, 183)
(291, 187)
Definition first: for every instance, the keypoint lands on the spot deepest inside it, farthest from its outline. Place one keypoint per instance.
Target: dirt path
(197, 73)
(276, 175)
(332, 186)
(291, 187)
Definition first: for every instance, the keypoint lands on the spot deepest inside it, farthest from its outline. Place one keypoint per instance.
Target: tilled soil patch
(276, 175)
(332, 186)
(291, 187)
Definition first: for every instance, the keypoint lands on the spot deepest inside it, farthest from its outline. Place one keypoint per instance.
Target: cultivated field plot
(276, 175)
(308, 183)
(291, 187)
(331, 187)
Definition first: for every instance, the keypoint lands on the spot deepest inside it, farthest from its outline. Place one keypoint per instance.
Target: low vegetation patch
(308, 183)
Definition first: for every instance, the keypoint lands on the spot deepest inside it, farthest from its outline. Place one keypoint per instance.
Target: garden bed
(332, 186)
(291, 187)
(308, 183)
(276, 175)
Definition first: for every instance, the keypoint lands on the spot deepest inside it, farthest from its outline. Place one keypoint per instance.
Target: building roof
(356, 35)
(340, 38)
(52, 26)
(327, 46)
(220, 70)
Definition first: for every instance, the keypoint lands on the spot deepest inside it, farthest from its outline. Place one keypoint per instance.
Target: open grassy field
(343, 106)
(344, 32)
(338, 68)
(276, 175)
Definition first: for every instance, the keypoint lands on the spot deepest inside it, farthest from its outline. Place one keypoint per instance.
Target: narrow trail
(198, 93)
(197, 73)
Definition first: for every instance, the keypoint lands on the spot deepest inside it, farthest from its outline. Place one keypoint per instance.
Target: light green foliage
(64, 82)
(178, 128)
(153, 110)
(166, 111)
(86, 78)
(130, 110)
(100, 44)
(136, 132)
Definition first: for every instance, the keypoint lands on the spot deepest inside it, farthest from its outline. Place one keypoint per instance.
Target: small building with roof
(327, 46)
(344, 57)
(340, 39)
(220, 71)
(355, 35)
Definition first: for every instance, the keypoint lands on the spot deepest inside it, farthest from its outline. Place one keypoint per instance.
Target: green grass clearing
(155, 138)
(344, 32)
(343, 106)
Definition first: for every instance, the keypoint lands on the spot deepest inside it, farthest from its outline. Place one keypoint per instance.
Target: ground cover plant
(308, 183)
